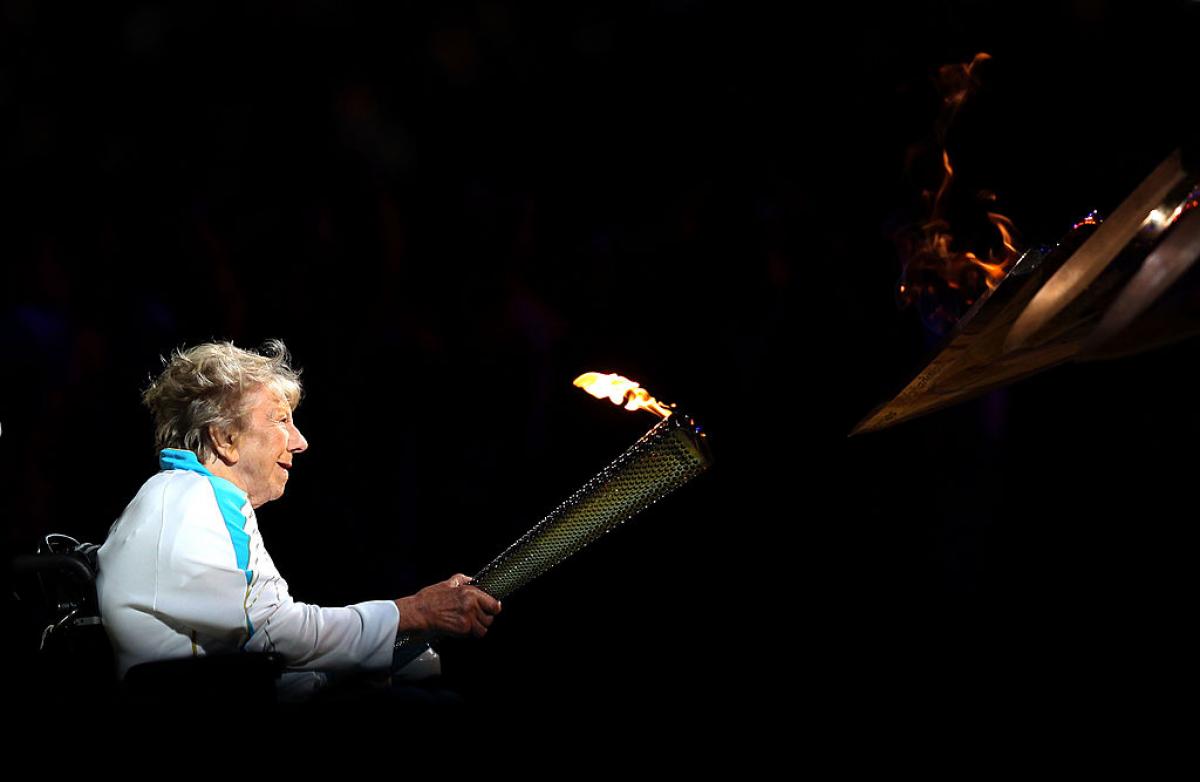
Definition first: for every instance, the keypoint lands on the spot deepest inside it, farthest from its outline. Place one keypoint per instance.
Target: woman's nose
(297, 443)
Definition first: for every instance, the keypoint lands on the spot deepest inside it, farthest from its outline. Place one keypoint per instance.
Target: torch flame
(621, 391)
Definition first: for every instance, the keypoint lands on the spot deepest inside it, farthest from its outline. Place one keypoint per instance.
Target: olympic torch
(673, 452)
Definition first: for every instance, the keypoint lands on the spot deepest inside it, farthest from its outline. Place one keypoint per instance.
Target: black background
(450, 210)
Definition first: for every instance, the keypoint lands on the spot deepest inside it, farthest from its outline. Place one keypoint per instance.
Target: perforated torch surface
(665, 458)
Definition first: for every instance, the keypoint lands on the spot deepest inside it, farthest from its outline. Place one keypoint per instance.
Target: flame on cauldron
(940, 278)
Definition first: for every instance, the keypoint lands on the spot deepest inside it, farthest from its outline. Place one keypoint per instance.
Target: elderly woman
(184, 571)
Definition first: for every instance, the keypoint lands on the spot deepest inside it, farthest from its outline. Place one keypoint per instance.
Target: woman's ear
(224, 443)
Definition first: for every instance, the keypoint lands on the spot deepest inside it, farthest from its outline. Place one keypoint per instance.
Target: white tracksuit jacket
(184, 572)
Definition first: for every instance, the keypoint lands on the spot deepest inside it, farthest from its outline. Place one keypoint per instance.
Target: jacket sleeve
(360, 636)
(226, 586)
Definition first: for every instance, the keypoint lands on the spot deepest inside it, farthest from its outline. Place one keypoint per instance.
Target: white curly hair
(208, 385)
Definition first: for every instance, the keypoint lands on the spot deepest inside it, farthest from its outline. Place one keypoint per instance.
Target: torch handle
(673, 452)
(665, 458)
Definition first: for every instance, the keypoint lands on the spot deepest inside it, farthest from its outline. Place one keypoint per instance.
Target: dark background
(449, 210)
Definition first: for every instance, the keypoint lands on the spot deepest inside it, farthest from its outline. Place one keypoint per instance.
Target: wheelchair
(65, 659)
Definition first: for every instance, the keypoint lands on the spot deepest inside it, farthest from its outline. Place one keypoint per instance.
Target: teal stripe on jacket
(230, 501)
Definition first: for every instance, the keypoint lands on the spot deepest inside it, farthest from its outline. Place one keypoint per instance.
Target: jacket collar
(181, 459)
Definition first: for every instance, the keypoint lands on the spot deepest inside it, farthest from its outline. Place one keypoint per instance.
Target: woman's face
(265, 447)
